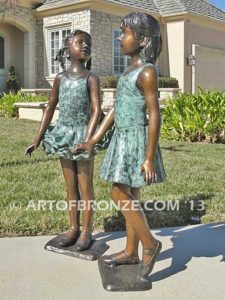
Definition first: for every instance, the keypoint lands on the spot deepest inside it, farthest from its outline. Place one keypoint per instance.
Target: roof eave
(207, 17)
(43, 8)
(193, 14)
(91, 4)
(177, 14)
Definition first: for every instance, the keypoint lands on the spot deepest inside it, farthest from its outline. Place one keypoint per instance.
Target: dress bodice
(74, 101)
(130, 105)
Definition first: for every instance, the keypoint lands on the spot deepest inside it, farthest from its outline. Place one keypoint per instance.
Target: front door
(2, 64)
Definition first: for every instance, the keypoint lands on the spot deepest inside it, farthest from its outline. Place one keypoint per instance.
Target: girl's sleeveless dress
(74, 116)
(127, 149)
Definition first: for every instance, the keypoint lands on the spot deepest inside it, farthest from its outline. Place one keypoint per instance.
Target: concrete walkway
(190, 266)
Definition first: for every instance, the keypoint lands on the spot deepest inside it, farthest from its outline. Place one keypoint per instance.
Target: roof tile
(165, 7)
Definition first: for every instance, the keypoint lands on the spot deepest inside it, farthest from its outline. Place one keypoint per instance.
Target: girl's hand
(148, 170)
(82, 147)
(31, 148)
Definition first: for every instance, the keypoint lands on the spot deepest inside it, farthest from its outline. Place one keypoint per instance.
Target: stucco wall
(175, 41)
(205, 36)
(209, 70)
(14, 49)
(181, 35)
(163, 61)
(211, 38)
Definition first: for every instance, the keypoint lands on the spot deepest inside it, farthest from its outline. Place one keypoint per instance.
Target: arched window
(2, 53)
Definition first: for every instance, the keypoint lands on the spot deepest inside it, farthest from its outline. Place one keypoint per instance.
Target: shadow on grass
(25, 162)
(161, 213)
(174, 149)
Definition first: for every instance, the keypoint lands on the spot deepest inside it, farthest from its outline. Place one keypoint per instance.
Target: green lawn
(195, 172)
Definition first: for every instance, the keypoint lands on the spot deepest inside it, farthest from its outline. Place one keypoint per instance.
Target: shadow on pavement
(207, 240)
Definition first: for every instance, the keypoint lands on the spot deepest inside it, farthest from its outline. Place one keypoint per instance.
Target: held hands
(87, 146)
(31, 148)
(148, 170)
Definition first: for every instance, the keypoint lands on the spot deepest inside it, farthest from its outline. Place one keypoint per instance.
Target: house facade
(31, 32)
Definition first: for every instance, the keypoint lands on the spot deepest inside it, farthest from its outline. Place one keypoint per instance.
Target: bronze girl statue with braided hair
(77, 90)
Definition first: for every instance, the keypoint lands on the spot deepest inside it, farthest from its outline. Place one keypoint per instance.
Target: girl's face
(80, 47)
(128, 41)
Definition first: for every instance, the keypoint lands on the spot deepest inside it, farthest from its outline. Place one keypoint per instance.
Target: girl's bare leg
(121, 194)
(132, 238)
(73, 195)
(85, 180)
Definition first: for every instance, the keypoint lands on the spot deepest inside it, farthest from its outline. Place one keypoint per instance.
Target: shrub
(199, 117)
(7, 101)
(168, 82)
(109, 82)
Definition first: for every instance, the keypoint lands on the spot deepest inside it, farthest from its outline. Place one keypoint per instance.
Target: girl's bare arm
(47, 116)
(148, 82)
(95, 100)
(105, 125)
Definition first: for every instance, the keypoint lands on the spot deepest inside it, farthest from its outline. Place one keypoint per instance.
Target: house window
(56, 40)
(120, 62)
(2, 53)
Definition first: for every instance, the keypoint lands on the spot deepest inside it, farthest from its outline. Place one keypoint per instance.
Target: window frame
(49, 48)
(4, 53)
(125, 57)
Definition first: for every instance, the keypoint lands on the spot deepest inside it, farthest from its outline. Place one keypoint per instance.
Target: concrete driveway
(190, 266)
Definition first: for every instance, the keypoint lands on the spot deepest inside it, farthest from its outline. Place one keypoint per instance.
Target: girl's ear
(144, 41)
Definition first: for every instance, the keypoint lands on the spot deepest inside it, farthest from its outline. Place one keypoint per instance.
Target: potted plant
(12, 82)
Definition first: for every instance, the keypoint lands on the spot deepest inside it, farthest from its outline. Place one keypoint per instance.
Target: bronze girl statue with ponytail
(133, 158)
(77, 90)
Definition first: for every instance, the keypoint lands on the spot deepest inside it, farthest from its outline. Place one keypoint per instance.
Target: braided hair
(63, 52)
(145, 25)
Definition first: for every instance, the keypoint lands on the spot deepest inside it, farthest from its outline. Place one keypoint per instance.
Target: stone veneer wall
(102, 26)
(77, 20)
(24, 13)
(19, 24)
(40, 80)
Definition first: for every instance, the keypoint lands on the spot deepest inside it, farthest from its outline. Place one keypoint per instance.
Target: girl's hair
(64, 50)
(147, 26)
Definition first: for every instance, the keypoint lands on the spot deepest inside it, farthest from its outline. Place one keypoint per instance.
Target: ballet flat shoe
(122, 259)
(145, 269)
(65, 241)
(84, 245)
